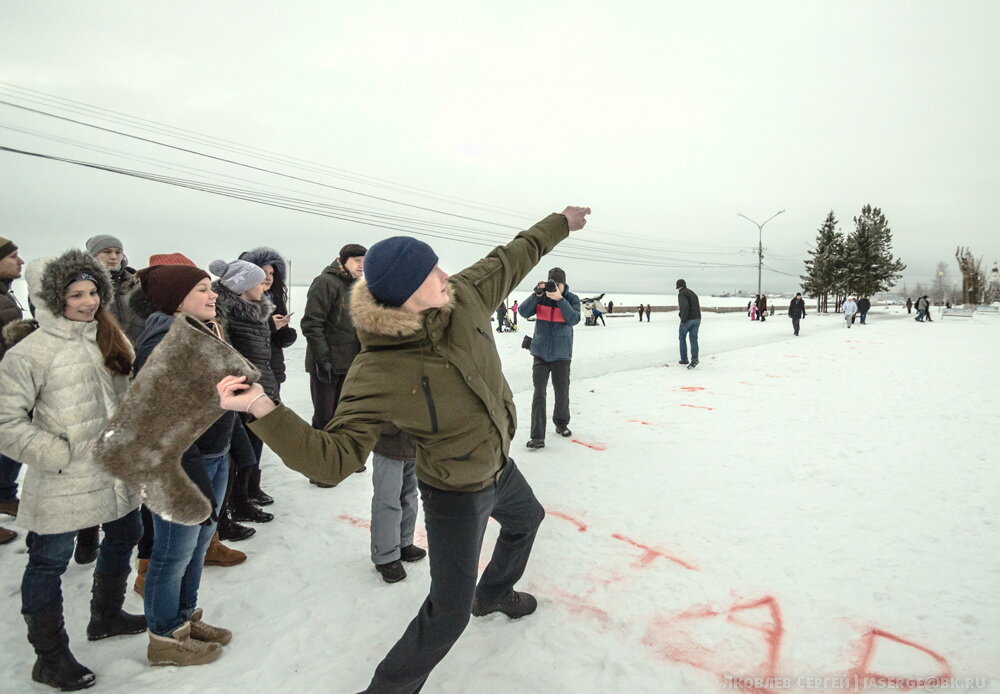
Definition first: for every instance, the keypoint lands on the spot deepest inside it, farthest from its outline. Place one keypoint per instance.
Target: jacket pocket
(425, 384)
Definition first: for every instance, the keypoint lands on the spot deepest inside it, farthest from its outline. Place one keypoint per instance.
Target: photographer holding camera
(556, 311)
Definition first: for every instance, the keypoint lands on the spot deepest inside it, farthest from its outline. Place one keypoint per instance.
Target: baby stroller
(505, 325)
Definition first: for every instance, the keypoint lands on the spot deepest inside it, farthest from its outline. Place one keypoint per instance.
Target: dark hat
(167, 285)
(681, 284)
(6, 247)
(557, 275)
(396, 267)
(352, 250)
(170, 259)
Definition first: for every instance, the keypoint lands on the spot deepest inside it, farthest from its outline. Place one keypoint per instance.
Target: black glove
(324, 372)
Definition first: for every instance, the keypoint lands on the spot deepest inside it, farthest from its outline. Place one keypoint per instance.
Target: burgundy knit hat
(167, 285)
(170, 259)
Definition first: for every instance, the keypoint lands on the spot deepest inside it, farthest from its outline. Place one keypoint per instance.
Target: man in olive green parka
(428, 364)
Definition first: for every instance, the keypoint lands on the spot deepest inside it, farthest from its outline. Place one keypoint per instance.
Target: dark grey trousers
(325, 397)
(560, 384)
(455, 524)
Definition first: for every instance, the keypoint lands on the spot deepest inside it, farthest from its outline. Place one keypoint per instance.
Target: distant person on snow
(909, 305)
(850, 308)
(649, 309)
(864, 306)
(394, 504)
(552, 348)
(797, 311)
(762, 308)
(689, 310)
(927, 309)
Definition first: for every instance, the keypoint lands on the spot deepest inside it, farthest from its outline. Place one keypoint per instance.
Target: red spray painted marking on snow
(356, 522)
(642, 421)
(690, 389)
(862, 671)
(650, 554)
(773, 376)
(596, 445)
(697, 407)
(673, 641)
(580, 527)
(744, 383)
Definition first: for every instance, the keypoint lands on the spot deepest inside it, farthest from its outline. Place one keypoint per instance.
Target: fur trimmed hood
(372, 318)
(267, 256)
(48, 278)
(231, 306)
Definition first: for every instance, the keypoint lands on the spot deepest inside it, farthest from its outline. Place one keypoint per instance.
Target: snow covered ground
(802, 510)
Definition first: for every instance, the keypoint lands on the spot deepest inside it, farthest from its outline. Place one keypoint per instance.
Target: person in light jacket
(850, 308)
(59, 386)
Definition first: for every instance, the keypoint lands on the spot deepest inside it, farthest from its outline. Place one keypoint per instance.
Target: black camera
(550, 286)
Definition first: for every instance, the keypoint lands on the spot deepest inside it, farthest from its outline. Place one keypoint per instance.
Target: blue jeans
(175, 566)
(864, 314)
(920, 315)
(689, 328)
(9, 470)
(49, 555)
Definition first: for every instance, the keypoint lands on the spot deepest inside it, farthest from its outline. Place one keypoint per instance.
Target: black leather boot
(240, 507)
(257, 495)
(55, 664)
(107, 618)
(87, 541)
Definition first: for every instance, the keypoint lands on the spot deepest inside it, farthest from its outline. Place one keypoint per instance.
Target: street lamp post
(760, 242)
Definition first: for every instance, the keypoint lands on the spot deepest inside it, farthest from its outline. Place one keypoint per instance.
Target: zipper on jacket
(426, 385)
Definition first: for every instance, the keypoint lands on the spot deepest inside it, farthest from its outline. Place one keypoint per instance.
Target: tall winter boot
(143, 448)
(55, 664)
(240, 507)
(230, 530)
(107, 618)
(140, 577)
(258, 495)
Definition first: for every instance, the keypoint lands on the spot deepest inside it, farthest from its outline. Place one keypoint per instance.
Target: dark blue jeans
(174, 573)
(689, 328)
(9, 469)
(49, 555)
(455, 524)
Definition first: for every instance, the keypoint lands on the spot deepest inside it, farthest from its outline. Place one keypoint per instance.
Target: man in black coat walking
(797, 311)
(689, 309)
(864, 306)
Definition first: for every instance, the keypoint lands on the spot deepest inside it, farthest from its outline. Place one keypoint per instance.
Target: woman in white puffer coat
(59, 386)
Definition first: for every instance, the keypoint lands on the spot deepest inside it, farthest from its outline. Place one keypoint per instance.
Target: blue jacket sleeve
(528, 306)
(570, 307)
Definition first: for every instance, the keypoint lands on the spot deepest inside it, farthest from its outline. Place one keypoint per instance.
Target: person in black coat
(909, 305)
(797, 311)
(689, 310)
(762, 308)
(864, 306)
(246, 314)
(276, 282)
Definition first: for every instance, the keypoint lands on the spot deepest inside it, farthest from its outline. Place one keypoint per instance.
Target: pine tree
(868, 261)
(821, 268)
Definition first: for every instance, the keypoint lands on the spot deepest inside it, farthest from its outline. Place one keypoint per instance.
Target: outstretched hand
(235, 394)
(576, 216)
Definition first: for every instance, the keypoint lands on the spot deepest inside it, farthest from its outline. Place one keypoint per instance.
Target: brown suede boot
(7, 536)
(180, 649)
(9, 507)
(140, 577)
(220, 555)
(202, 631)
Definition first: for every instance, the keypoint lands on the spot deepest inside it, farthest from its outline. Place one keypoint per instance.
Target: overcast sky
(667, 118)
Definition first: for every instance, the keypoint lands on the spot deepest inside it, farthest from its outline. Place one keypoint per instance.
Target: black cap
(680, 284)
(557, 275)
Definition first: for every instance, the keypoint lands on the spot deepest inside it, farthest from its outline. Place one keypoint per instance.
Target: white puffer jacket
(56, 395)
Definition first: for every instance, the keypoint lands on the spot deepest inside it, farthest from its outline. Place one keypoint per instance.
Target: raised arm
(499, 273)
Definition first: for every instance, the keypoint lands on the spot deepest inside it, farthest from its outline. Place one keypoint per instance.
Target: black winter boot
(258, 495)
(55, 664)
(240, 507)
(107, 618)
(87, 541)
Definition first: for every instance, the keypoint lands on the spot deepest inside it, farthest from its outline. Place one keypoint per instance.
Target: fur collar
(17, 330)
(233, 306)
(375, 319)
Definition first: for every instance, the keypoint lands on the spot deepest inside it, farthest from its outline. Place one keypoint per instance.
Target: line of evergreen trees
(859, 264)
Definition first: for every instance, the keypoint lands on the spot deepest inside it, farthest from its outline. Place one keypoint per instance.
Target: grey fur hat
(62, 271)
